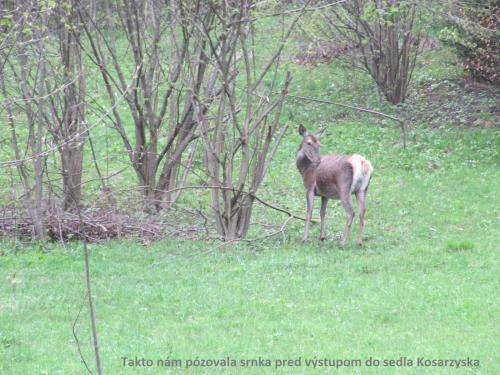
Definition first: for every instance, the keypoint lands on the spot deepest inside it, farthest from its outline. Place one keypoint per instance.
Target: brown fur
(333, 174)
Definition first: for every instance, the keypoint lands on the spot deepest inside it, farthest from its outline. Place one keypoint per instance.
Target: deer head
(308, 152)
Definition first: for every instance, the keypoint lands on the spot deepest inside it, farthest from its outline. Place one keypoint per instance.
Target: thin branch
(260, 200)
(89, 292)
(359, 109)
(75, 335)
(91, 302)
(13, 163)
(347, 106)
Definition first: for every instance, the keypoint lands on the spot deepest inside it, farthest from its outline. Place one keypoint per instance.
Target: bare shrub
(379, 36)
(472, 27)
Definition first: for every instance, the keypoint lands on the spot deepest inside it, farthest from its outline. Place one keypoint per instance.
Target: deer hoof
(304, 240)
(322, 238)
(360, 243)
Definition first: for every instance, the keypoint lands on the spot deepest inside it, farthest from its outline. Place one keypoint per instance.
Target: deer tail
(366, 167)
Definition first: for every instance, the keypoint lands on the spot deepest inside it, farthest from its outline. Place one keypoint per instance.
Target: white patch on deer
(361, 172)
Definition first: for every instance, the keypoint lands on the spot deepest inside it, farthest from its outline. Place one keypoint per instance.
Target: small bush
(454, 245)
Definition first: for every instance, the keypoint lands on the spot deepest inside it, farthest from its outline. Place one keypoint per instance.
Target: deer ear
(302, 130)
(320, 132)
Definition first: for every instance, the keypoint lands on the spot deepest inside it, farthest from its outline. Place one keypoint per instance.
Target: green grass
(393, 298)
(425, 284)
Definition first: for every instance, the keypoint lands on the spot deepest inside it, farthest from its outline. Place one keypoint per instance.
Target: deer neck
(304, 164)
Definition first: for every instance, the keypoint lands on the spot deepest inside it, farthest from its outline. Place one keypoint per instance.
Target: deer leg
(360, 196)
(347, 204)
(309, 200)
(322, 213)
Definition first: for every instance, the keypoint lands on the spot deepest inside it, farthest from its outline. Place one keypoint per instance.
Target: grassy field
(425, 284)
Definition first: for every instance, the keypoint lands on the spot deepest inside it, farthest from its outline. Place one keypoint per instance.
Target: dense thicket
(177, 82)
(473, 28)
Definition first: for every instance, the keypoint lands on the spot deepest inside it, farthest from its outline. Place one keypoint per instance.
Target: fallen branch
(248, 240)
(279, 231)
(260, 200)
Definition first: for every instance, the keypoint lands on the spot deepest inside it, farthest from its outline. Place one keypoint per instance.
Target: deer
(332, 176)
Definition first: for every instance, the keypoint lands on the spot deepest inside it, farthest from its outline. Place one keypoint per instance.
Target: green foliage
(388, 13)
(369, 12)
(5, 22)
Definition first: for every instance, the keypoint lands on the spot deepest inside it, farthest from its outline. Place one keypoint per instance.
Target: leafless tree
(241, 130)
(157, 37)
(24, 73)
(66, 106)
(188, 74)
(42, 60)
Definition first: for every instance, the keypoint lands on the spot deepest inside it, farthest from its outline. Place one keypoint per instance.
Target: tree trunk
(71, 162)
